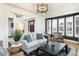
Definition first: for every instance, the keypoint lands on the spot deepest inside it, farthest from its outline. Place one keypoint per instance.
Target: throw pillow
(2, 52)
(39, 36)
(60, 36)
(28, 38)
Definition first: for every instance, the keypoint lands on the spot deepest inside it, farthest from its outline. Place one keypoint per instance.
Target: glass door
(69, 26)
(61, 25)
(54, 25)
(76, 25)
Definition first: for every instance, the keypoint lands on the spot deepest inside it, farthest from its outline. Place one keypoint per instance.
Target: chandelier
(42, 8)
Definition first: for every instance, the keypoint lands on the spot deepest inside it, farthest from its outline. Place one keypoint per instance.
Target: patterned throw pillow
(39, 36)
(28, 38)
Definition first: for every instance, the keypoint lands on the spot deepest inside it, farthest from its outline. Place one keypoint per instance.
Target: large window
(61, 25)
(69, 26)
(49, 26)
(54, 25)
(76, 26)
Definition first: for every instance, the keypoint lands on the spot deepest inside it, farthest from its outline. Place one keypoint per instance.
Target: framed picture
(12, 25)
(31, 26)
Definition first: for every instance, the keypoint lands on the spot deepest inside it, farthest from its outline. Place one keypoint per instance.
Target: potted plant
(16, 36)
(45, 33)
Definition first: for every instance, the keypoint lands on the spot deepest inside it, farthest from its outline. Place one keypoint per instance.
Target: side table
(15, 50)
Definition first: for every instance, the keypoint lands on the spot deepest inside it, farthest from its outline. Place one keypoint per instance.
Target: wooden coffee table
(53, 50)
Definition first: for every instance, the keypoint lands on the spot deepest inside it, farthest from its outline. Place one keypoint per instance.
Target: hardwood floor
(74, 44)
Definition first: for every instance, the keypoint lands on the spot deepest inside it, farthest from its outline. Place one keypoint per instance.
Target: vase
(53, 43)
(16, 42)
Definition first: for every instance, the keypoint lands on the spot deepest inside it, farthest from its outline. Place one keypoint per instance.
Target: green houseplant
(16, 35)
(45, 33)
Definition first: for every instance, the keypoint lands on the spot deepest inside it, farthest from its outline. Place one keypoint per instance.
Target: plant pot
(16, 43)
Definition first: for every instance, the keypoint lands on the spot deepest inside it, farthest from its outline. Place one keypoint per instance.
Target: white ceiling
(32, 7)
(27, 6)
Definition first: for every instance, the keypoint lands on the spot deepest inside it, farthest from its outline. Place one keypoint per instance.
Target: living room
(25, 17)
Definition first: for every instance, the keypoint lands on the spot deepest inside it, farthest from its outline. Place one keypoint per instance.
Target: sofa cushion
(42, 41)
(34, 36)
(39, 36)
(32, 44)
(22, 37)
(28, 38)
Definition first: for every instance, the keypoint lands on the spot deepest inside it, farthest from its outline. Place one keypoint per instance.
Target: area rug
(71, 52)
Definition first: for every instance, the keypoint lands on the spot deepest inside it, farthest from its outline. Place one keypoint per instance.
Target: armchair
(58, 37)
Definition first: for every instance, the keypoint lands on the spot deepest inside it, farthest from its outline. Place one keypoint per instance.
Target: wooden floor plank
(74, 44)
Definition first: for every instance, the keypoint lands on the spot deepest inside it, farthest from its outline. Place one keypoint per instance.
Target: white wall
(3, 25)
(40, 24)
